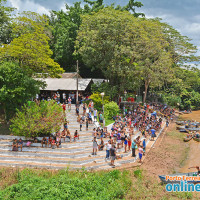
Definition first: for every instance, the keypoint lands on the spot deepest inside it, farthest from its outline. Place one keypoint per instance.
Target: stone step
(46, 161)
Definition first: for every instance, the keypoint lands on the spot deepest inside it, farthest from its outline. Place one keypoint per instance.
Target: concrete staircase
(74, 155)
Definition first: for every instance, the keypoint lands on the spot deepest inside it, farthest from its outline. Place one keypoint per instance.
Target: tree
(5, 23)
(64, 30)
(111, 109)
(16, 87)
(38, 120)
(98, 101)
(65, 26)
(126, 49)
(30, 46)
(182, 50)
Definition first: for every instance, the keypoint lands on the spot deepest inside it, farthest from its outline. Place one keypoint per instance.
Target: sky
(183, 15)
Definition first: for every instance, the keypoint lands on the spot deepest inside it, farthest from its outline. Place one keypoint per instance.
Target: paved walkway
(74, 155)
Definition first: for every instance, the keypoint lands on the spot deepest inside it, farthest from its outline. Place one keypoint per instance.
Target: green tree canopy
(16, 87)
(65, 26)
(126, 49)
(5, 23)
(38, 119)
(30, 46)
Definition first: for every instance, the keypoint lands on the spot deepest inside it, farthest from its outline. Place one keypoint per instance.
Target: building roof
(69, 84)
(98, 80)
(69, 75)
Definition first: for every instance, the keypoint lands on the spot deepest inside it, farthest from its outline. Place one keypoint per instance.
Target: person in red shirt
(64, 107)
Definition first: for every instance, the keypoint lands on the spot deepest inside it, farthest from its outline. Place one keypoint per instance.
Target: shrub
(69, 185)
(37, 120)
(97, 99)
(111, 109)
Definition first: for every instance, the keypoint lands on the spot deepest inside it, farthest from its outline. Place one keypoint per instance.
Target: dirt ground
(193, 157)
(167, 154)
(170, 154)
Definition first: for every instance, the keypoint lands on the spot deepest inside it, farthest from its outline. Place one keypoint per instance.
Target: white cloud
(29, 6)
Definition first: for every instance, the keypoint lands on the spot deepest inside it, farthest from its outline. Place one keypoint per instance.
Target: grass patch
(145, 187)
(176, 135)
(65, 184)
(108, 122)
(173, 147)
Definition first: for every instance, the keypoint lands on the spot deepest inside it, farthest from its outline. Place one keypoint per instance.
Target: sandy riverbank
(193, 158)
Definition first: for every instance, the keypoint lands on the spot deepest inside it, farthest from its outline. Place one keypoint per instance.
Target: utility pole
(77, 82)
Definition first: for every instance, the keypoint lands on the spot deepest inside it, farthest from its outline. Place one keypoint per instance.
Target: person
(53, 143)
(144, 146)
(167, 123)
(153, 133)
(198, 169)
(77, 110)
(78, 118)
(125, 144)
(140, 153)
(101, 145)
(108, 147)
(76, 135)
(112, 154)
(58, 98)
(129, 143)
(81, 122)
(44, 141)
(90, 117)
(101, 119)
(58, 141)
(65, 125)
(15, 145)
(64, 107)
(95, 145)
(64, 98)
(95, 115)
(20, 143)
(68, 135)
(28, 144)
(84, 109)
(69, 103)
(86, 124)
(49, 141)
(133, 148)
(63, 134)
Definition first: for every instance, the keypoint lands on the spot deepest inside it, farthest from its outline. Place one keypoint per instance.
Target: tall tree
(30, 46)
(124, 48)
(65, 26)
(5, 23)
(16, 87)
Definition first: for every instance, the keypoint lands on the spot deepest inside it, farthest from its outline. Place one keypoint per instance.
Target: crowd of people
(131, 131)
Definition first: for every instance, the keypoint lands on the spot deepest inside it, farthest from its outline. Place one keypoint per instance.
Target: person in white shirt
(64, 98)
(95, 115)
(108, 147)
(69, 103)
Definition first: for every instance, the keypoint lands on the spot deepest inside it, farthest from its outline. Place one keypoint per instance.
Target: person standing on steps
(95, 146)
(69, 103)
(112, 155)
(64, 98)
(140, 154)
(84, 108)
(108, 147)
(86, 124)
(144, 146)
(81, 123)
(95, 115)
(64, 108)
(133, 148)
